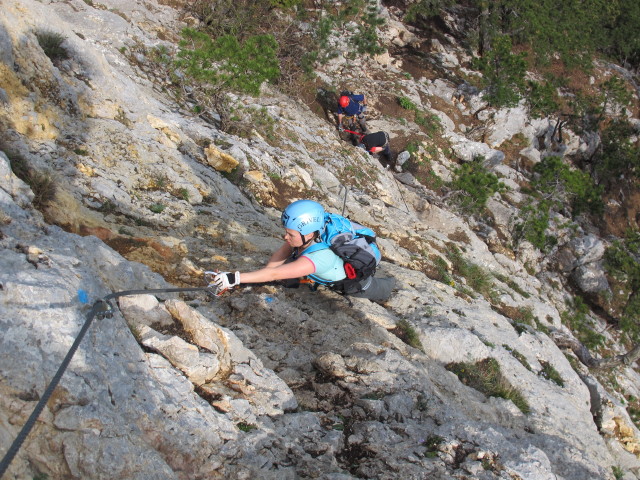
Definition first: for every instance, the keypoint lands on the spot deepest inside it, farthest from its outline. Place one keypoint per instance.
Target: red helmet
(344, 101)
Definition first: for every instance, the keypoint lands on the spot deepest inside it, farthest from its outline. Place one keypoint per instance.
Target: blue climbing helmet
(304, 216)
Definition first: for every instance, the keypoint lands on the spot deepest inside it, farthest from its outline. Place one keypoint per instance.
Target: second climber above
(352, 105)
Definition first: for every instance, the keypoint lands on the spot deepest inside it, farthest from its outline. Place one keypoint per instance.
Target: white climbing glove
(225, 280)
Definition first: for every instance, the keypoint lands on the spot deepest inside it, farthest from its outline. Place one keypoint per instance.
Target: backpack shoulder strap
(315, 247)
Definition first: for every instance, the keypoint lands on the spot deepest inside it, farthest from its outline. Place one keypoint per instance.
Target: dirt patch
(418, 62)
(460, 237)
(159, 258)
(622, 211)
(284, 193)
(321, 98)
(125, 245)
(389, 106)
(511, 149)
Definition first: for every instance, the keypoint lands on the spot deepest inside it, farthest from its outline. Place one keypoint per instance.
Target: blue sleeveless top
(329, 266)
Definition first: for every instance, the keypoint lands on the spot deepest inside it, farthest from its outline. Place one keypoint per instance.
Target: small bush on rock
(473, 185)
(577, 319)
(405, 332)
(622, 263)
(42, 184)
(51, 44)
(550, 373)
(486, 377)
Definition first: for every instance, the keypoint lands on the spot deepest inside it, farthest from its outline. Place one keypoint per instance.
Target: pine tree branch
(565, 340)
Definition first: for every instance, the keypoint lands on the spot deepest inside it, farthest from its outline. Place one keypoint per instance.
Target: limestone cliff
(267, 382)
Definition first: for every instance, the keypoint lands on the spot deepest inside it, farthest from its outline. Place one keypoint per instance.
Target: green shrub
(235, 176)
(422, 11)
(227, 64)
(412, 148)
(633, 407)
(340, 423)
(263, 122)
(363, 39)
(562, 184)
(405, 332)
(623, 34)
(618, 472)
(570, 30)
(160, 54)
(308, 63)
(577, 319)
(406, 103)
(533, 224)
(42, 183)
(431, 444)
(477, 278)
(621, 258)
(474, 185)
(285, 4)
(550, 373)
(214, 67)
(159, 181)
(108, 207)
(324, 51)
(542, 99)
(591, 111)
(503, 73)
(182, 193)
(486, 377)
(518, 356)
(618, 156)
(366, 39)
(442, 271)
(521, 328)
(556, 187)
(238, 18)
(51, 44)
(430, 122)
(622, 263)
(157, 208)
(614, 96)
(246, 427)
(524, 315)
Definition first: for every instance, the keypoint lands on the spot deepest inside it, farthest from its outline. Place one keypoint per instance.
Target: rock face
(264, 382)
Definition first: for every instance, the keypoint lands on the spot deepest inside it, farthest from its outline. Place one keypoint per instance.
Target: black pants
(379, 289)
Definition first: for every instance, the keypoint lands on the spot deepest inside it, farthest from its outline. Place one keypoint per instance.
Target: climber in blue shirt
(352, 105)
(297, 257)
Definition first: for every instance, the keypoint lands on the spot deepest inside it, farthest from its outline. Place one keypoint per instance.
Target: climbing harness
(361, 135)
(351, 124)
(102, 309)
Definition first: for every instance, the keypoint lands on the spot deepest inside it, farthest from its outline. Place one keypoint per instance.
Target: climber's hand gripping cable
(222, 281)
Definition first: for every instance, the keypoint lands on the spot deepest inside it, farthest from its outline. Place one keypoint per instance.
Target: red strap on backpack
(350, 271)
